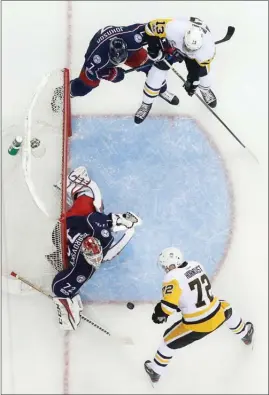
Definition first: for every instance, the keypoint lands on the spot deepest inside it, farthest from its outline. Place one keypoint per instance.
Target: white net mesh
(33, 208)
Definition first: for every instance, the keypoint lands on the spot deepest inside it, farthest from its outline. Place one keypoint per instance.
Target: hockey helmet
(170, 256)
(92, 251)
(118, 51)
(193, 39)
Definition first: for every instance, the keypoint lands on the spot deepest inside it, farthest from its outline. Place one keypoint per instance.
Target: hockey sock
(235, 323)
(153, 84)
(162, 358)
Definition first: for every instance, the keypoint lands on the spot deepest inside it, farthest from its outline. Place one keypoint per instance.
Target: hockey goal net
(45, 157)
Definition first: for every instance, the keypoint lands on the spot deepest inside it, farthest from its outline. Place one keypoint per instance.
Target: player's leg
(199, 77)
(80, 86)
(83, 84)
(79, 184)
(242, 329)
(83, 205)
(65, 286)
(155, 86)
(175, 337)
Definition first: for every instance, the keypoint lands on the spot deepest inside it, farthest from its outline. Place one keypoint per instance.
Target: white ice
(36, 356)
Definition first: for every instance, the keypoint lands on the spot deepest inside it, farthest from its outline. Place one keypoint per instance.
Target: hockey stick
(125, 340)
(228, 36)
(212, 112)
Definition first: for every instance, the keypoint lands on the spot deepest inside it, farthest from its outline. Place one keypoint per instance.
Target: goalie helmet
(170, 256)
(193, 39)
(92, 251)
(118, 52)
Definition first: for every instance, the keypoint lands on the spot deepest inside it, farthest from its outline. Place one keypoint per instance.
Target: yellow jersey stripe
(202, 312)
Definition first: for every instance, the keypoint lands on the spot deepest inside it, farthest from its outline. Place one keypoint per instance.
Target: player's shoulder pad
(157, 27)
(171, 276)
(207, 52)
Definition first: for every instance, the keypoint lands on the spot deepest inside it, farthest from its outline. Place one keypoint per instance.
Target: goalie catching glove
(122, 222)
(69, 312)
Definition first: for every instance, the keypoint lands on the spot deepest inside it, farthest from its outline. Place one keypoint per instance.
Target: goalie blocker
(90, 242)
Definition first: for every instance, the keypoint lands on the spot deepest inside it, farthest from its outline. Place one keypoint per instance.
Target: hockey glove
(176, 54)
(115, 74)
(191, 86)
(122, 222)
(159, 316)
(156, 56)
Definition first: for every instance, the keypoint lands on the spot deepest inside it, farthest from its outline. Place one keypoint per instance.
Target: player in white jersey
(186, 288)
(183, 39)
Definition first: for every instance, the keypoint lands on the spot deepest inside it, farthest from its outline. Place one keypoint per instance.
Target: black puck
(130, 305)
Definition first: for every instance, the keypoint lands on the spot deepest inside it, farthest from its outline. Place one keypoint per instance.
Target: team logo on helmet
(138, 38)
(81, 279)
(97, 59)
(105, 233)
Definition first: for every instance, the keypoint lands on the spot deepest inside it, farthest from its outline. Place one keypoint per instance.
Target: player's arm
(155, 36)
(121, 222)
(205, 63)
(169, 304)
(116, 248)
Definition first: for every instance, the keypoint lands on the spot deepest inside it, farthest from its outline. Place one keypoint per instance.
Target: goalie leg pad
(78, 184)
(68, 311)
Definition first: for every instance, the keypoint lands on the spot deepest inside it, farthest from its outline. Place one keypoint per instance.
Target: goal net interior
(34, 201)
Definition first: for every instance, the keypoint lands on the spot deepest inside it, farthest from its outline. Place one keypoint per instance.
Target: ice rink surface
(36, 357)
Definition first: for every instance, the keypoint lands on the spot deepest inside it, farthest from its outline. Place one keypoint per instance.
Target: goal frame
(27, 155)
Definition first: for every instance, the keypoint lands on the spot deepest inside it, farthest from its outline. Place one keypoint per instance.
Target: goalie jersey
(98, 225)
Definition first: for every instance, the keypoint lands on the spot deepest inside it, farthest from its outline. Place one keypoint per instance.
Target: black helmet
(117, 51)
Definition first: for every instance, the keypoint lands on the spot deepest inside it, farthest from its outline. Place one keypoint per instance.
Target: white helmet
(193, 38)
(170, 256)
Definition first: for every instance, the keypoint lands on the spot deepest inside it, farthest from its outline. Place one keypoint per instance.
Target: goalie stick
(228, 36)
(125, 340)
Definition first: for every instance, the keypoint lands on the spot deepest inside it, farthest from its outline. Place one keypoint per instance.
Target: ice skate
(154, 377)
(142, 113)
(57, 99)
(247, 339)
(169, 97)
(209, 97)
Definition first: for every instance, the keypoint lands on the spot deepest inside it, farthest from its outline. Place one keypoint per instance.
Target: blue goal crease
(170, 175)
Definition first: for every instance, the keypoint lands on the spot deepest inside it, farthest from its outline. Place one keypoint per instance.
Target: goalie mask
(92, 251)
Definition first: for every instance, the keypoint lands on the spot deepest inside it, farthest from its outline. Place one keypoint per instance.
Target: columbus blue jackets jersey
(97, 55)
(96, 224)
(67, 282)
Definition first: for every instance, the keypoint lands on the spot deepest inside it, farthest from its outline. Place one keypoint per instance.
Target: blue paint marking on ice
(167, 172)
